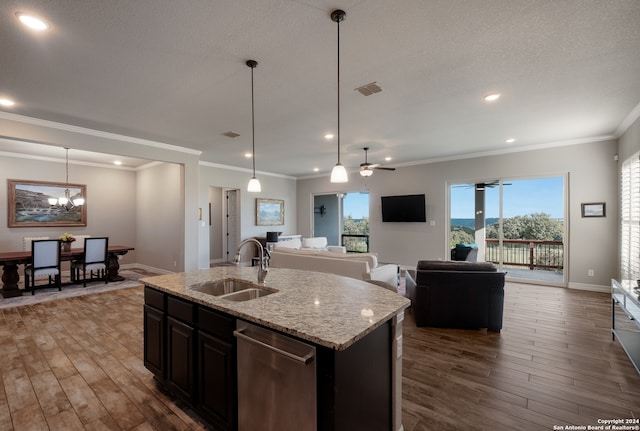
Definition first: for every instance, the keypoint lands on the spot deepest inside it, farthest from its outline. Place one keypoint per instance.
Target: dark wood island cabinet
(190, 347)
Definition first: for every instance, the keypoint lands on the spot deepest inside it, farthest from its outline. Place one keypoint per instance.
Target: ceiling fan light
(339, 174)
(366, 172)
(254, 185)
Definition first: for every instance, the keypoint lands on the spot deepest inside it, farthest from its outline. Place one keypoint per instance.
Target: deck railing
(356, 243)
(533, 254)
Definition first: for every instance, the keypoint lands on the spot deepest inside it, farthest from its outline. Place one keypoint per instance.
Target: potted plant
(66, 239)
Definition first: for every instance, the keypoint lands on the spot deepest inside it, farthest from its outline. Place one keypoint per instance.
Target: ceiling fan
(482, 186)
(366, 168)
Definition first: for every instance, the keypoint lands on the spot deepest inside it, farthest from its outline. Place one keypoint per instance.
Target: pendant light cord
(338, 21)
(253, 127)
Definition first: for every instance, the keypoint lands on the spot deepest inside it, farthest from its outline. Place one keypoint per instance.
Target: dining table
(10, 260)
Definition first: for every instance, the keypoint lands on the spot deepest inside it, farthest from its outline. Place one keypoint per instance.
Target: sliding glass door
(518, 224)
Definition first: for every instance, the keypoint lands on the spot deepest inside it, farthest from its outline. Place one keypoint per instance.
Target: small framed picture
(269, 212)
(594, 210)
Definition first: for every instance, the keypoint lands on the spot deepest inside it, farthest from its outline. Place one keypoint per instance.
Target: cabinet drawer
(154, 298)
(181, 310)
(215, 323)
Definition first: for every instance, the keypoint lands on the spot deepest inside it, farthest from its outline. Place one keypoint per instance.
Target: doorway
(517, 224)
(336, 214)
(231, 223)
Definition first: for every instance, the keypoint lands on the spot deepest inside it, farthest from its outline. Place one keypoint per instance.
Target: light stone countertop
(326, 309)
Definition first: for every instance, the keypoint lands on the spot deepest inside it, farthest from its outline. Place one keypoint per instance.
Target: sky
(356, 205)
(521, 197)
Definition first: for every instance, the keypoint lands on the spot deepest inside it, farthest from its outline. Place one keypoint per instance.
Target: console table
(626, 295)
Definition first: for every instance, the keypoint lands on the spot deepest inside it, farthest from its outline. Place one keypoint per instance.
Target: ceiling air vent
(369, 89)
(231, 134)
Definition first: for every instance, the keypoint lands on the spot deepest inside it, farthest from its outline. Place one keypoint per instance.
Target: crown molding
(96, 133)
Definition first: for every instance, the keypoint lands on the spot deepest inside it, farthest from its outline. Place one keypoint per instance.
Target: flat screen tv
(406, 208)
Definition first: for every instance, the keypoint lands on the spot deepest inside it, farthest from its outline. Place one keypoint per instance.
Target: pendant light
(66, 201)
(338, 173)
(254, 184)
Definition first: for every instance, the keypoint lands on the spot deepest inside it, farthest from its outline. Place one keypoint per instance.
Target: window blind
(630, 218)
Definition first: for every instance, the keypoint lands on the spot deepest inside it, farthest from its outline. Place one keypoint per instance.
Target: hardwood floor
(554, 363)
(76, 363)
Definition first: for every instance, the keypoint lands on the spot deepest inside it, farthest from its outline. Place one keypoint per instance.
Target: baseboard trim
(145, 267)
(590, 287)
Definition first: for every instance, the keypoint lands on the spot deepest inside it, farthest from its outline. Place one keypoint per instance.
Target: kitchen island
(354, 328)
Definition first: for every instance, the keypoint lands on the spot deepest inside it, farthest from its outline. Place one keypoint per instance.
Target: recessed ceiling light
(388, 159)
(328, 136)
(32, 22)
(492, 97)
(316, 169)
(117, 162)
(510, 140)
(247, 155)
(6, 102)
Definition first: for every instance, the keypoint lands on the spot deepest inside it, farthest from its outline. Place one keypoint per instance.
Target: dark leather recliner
(465, 252)
(457, 295)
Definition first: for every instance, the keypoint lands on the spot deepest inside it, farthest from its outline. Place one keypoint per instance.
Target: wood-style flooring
(554, 363)
(76, 364)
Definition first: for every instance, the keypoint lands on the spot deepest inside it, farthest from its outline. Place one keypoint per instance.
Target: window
(630, 218)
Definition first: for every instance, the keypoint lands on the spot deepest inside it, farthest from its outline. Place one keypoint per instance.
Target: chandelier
(67, 202)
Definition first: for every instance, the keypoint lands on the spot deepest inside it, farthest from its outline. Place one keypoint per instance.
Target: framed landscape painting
(594, 210)
(28, 204)
(269, 212)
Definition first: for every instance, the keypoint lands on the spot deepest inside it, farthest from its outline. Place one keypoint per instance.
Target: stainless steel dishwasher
(276, 381)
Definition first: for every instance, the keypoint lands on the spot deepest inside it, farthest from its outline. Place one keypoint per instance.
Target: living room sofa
(455, 294)
(362, 266)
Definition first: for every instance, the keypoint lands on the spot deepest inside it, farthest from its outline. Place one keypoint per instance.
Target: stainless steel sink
(247, 294)
(233, 289)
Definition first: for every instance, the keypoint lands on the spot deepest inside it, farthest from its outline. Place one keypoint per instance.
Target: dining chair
(45, 262)
(94, 259)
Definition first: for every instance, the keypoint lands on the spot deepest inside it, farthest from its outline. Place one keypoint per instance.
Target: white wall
(111, 201)
(273, 187)
(629, 142)
(592, 178)
(49, 133)
(160, 217)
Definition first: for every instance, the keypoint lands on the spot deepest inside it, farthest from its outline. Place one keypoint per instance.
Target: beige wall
(273, 187)
(111, 201)
(159, 216)
(29, 129)
(592, 174)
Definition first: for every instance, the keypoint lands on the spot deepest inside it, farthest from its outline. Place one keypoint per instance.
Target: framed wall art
(269, 212)
(594, 210)
(28, 204)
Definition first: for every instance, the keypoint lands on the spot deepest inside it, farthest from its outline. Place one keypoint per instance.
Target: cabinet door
(180, 359)
(154, 341)
(216, 371)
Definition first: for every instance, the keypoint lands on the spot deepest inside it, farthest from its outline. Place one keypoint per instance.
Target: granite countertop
(326, 309)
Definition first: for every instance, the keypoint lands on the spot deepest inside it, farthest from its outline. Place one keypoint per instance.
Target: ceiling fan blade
(382, 168)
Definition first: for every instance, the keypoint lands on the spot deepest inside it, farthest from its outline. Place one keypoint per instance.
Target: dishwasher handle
(306, 359)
